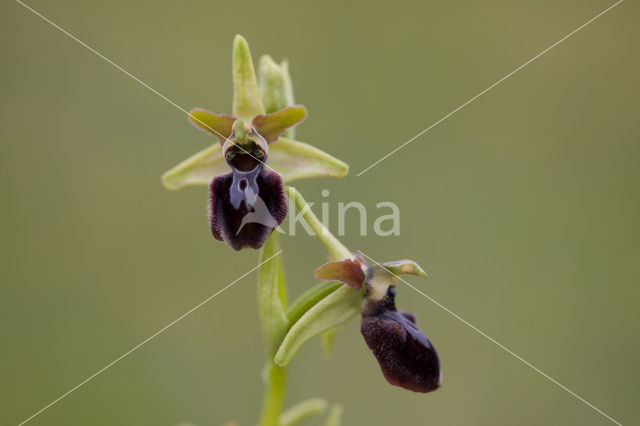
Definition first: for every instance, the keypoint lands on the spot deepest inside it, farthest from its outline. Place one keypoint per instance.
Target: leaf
(301, 411)
(309, 298)
(282, 284)
(328, 337)
(333, 310)
(247, 102)
(272, 126)
(272, 313)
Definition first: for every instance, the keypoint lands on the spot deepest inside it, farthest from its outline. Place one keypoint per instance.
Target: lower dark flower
(406, 356)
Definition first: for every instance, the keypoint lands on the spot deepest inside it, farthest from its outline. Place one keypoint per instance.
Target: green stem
(335, 248)
(271, 305)
(275, 378)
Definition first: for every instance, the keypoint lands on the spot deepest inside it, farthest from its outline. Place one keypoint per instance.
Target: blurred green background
(523, 207)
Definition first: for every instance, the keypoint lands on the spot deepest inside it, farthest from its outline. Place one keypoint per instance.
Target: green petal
(335, 309)
(218, 125)
(272, 126)
(246, 95)
(297, 160)
(199, 169)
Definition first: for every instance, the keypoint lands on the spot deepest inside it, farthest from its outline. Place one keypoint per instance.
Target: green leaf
(328, 337)
(335, 416)
(333, 310)
(247, 102)
(272, 313)
(309, 298)
(272, 126)
(303, 410)
(282, 284)
(291, 159)
(199, 169)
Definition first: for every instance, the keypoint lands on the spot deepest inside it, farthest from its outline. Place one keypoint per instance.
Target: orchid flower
(252, 157)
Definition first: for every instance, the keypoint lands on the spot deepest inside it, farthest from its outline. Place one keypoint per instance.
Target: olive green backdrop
(523, 207)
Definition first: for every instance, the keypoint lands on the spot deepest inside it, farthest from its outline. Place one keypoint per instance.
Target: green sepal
(275, 84)
(333, 310)
(247, 102)
(302, 410)
(295, 160)
(270, 307)
(291, 159)
(197, 170)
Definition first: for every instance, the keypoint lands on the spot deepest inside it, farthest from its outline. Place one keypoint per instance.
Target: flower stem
(271, 306)
(335, 248)
(272, 302)
(275, 383)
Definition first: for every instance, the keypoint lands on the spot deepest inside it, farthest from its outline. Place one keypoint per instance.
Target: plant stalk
(275, 378)
(336, 249)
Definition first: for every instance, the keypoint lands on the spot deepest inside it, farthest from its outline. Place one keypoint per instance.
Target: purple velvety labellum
(245, 207)
(406, 356)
